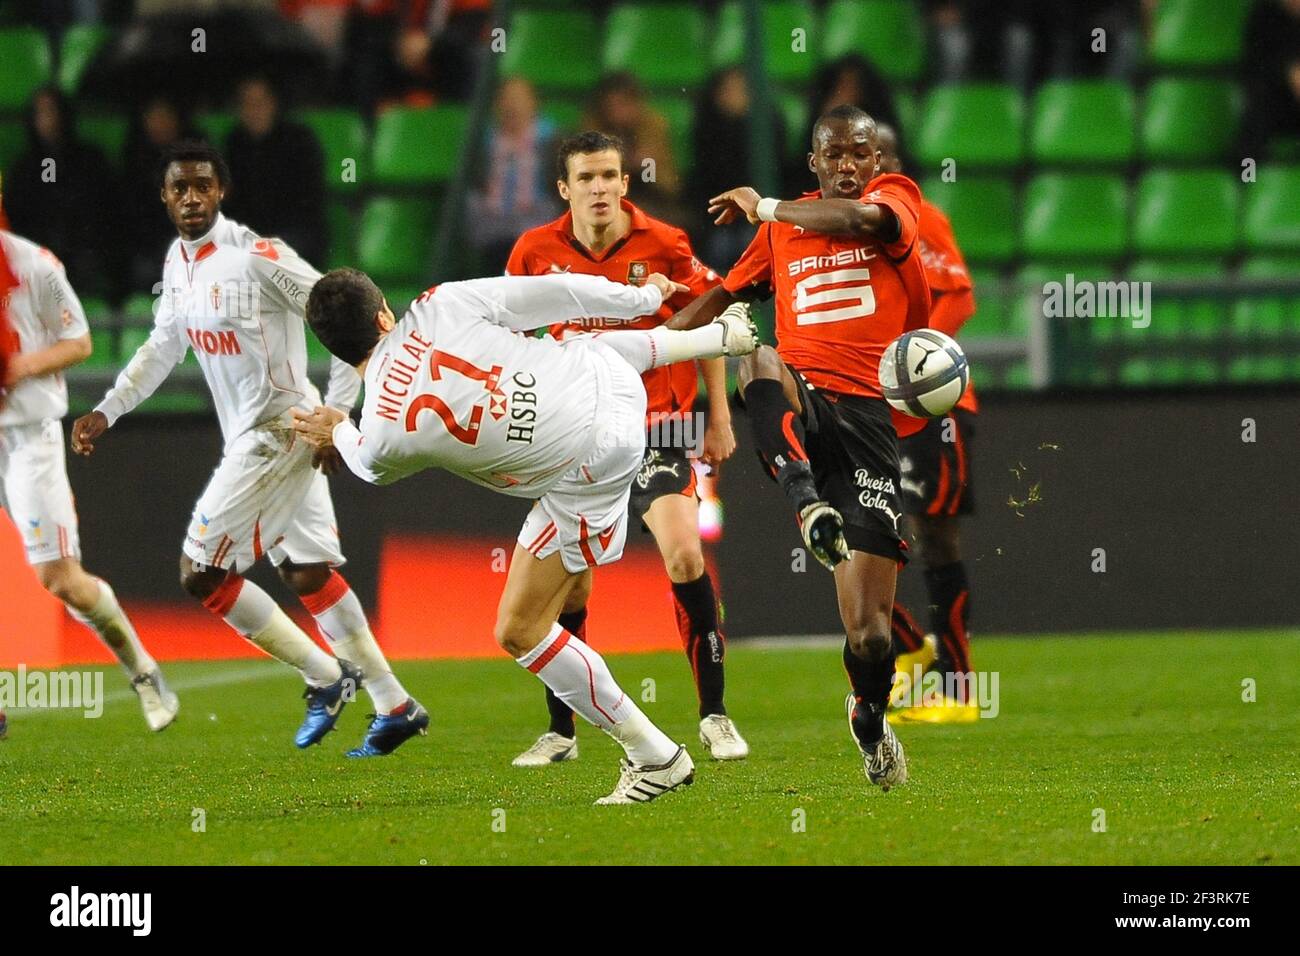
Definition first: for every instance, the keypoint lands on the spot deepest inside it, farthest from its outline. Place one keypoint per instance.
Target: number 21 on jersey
(468, 433)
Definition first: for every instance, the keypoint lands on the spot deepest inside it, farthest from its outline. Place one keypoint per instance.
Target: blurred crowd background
(415, 139)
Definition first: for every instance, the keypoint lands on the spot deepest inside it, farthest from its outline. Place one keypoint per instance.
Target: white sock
(579, 677)
(109, 621)
(342, 621)
(258, 619)
(651, 348)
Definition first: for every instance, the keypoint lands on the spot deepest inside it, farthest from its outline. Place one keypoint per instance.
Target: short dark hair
(844, 113)
(341, 311)
(588, 141)
(194, 151)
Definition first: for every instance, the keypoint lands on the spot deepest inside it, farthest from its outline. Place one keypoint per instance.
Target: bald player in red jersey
(845, 269)
(936, 485)
(604, 234)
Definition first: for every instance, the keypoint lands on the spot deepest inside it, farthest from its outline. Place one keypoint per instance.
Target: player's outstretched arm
(330, 431)
(835, 217)
(524, 303)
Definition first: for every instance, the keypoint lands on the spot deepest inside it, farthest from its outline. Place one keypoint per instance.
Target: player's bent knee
(56, 579)
(304, 578)
(685, 565)
(197, 582)
(868, 643)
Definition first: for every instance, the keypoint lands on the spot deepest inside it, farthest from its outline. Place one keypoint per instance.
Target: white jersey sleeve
(58, 307)
(289, 278)
(359, 456)
(149, 367)
(524, 303)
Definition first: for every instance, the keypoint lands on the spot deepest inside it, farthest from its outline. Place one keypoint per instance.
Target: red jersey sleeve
(517, 264)
(900, 196)
(751, 277)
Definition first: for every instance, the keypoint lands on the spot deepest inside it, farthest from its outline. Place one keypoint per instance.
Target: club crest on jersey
(637, 272)
(35, 527)
(214, 296)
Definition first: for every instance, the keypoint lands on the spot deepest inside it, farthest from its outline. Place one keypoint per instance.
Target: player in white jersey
(456, 384)
(47, 333)
(237, 300)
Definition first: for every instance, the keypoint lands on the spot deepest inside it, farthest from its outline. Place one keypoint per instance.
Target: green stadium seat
(982, 212)
(176, 403)
(1272, 218)
(1083, 121)
(1030, 303)
(565, 114)
(1203, 318)
(907, 108)
(418, 146)
(393, 242)
(13, 139)
(1200, 371)
(1258, 370)
(80, 44)
(780, 19)
(216, 126)
(103, 354)
(138, 311)
(679, 111)
(1068, 215)
(889, 32)
(553, 49)
(1017, 377)
(990, 318)
(1186, 212)
(1191, 120)
(979, 125)
(1138, 372)
(794, 110)
(663, 44)
(25, 66)
(1197, 33)
(342, 136)
(108, 132)
(343, 229)
(1267, 315)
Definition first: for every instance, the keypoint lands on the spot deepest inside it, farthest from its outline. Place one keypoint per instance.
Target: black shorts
(936, 466)
(853, 450)
(664, 471)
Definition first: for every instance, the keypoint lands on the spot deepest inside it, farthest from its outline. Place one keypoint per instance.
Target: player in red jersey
(936, 486)
(606, 235)
(844, 267)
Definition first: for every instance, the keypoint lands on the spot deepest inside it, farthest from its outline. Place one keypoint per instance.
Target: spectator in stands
(518, 190)
(149, 232)
(62, 193)
(619, 108)
(278, 172)
(1271, 75)
(720, 137)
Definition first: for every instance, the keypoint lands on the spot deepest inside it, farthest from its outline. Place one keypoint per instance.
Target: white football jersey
(238, 300)
(458, 385)
(43, 310)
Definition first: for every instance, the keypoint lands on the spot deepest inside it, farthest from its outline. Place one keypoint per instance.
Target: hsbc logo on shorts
(844, 257)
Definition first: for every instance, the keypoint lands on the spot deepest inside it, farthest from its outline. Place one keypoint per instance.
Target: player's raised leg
(864, 586)
(775, 409)
(674, 521)
(527, 629)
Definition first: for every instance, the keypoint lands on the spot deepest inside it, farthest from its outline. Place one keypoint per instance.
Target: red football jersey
(840, 299)
(951, 291)
(650, 246)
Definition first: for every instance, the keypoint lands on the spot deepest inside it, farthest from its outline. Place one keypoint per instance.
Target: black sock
(871, 681)
(697, 622)
(907, 636)
(949, 612)
(561, 716)
(779, 435)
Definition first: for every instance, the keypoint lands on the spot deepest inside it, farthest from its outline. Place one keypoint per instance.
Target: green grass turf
(1150, 729)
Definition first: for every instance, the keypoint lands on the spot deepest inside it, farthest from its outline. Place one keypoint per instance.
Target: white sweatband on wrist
(766, 209)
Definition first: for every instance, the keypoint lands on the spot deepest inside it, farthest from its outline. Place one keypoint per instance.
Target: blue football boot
(389, 731)
(324, 704)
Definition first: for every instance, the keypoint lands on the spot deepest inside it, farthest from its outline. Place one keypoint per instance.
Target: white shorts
(34, 490)
(584, 516)
(265, 498)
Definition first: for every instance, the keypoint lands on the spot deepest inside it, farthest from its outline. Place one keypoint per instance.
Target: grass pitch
(1152, 730)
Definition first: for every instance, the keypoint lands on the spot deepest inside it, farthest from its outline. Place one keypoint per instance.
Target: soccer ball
(923, 373)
